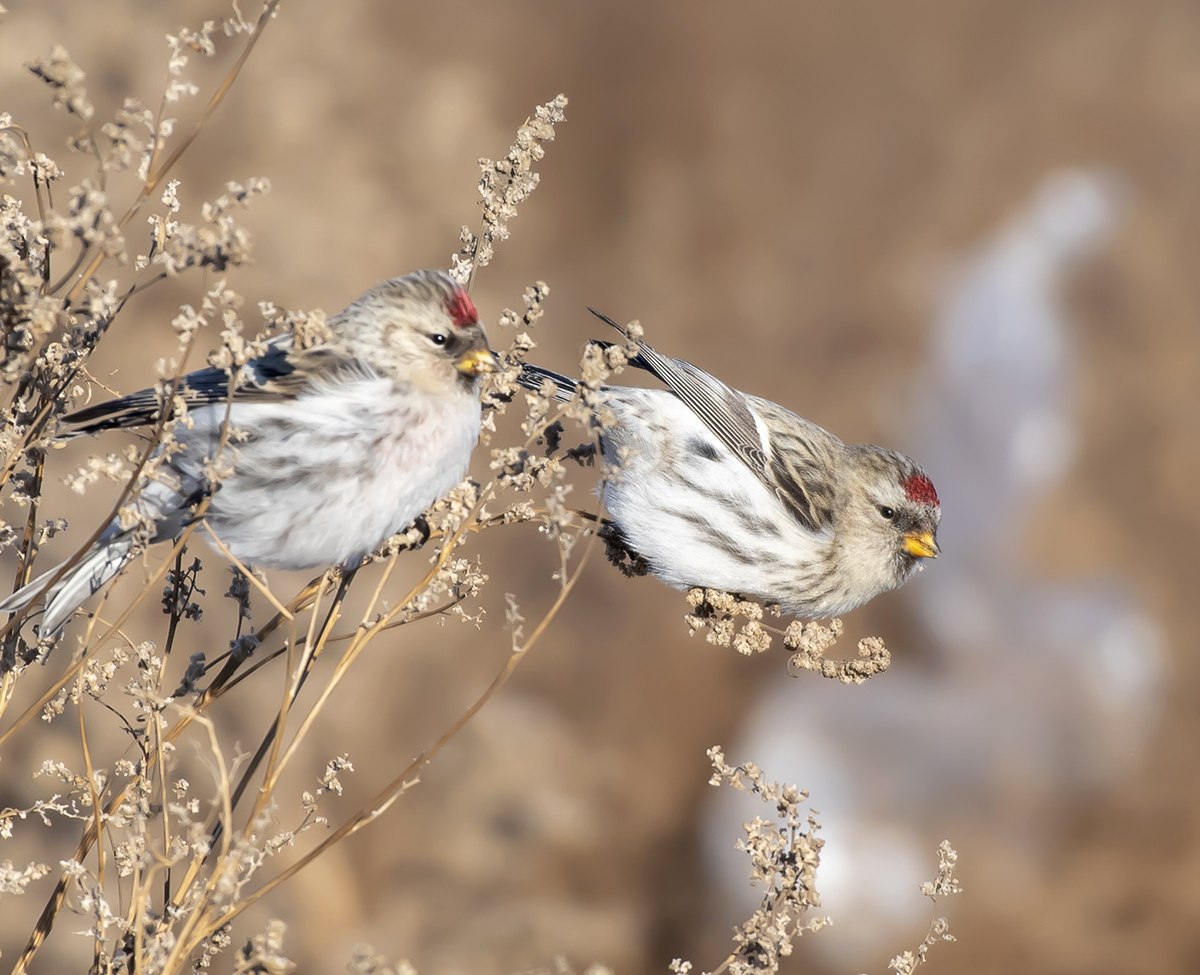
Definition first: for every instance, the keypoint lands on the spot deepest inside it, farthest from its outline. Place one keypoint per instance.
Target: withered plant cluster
(163, 866)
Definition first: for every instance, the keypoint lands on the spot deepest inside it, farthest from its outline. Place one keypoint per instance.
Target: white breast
(325, 478)
(690, 507)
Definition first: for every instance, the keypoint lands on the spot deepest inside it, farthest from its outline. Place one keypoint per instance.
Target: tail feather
(62, 598)
(29, 592)
(639, 360)
(534, 377)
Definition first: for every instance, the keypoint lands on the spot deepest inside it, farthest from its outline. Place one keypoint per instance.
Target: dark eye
(888, 513)
(438, 338)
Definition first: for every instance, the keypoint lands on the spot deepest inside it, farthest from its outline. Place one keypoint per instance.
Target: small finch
(712, 487)
(333, 447)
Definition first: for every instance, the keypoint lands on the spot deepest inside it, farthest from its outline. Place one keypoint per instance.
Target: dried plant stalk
(169, 860)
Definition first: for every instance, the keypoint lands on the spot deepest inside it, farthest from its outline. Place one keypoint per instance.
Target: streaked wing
(272, 374)
(727, 413)
(799, 463)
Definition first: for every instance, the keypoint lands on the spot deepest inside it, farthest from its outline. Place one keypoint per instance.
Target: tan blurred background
(779, 192)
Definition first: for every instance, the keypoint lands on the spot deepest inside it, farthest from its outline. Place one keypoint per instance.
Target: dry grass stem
(178, 834)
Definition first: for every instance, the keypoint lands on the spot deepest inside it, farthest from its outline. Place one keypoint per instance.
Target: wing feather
(730, 415)
(278, 373)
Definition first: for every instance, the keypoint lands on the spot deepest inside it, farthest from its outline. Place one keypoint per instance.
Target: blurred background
(959, 229)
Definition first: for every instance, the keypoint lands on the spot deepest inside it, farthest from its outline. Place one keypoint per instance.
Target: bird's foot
(627, 561)
(423, 531)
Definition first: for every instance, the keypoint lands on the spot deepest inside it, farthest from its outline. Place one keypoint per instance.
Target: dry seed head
(65, 79)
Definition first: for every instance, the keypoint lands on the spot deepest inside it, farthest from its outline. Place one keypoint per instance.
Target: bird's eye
(438, 338)
(888, 513)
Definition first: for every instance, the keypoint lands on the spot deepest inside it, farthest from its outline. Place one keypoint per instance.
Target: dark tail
(61, 599)
(534, 377)
(639, 360)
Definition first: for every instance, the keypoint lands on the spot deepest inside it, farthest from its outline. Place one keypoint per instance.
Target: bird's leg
(616, 547)
(619, 552)
(421, 525)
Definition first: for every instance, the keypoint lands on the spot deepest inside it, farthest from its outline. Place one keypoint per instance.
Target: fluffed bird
(716, 488)
(329, 450)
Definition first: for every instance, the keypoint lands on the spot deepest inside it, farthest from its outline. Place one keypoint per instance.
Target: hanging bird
(713, 487)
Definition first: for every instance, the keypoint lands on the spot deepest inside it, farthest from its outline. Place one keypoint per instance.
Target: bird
(330, 448)
(706, 486)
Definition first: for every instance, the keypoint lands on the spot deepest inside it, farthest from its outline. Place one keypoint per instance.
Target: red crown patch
(920, 490)
(461, 309)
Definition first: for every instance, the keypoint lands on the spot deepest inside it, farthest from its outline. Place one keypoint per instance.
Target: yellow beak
(921, 545)
(476, 362)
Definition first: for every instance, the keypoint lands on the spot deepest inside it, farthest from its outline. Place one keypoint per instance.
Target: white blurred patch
(1043, 690)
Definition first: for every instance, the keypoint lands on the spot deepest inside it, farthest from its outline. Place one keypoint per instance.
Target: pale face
(424, 330)
(890, 521)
